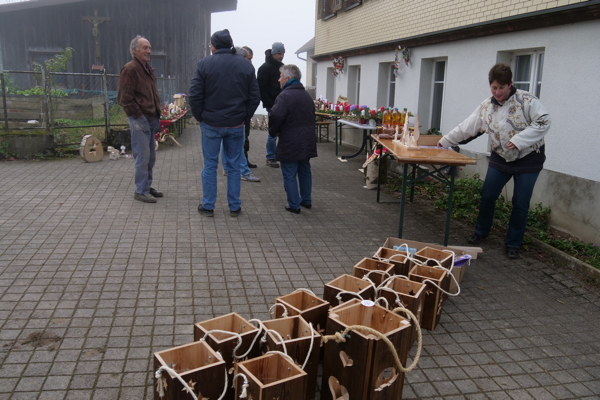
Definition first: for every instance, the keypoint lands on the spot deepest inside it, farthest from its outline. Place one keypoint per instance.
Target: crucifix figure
(96, 21)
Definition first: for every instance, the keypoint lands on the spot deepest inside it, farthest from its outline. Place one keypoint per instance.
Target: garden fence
(66, 105)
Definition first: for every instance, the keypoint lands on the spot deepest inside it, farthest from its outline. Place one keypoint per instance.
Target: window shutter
(320, 5)
(337, 5)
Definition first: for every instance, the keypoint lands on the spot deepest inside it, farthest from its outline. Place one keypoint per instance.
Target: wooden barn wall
(177, 30)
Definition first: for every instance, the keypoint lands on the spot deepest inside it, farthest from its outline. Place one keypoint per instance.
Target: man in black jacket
(293, 120)
(268, 82)
(223, 93)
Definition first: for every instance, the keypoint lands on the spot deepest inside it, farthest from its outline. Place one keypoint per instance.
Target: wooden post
(46, 123)
(300, 343)
(271, 376)
(363, 368)
(4, 106)
(106, 107)
(198, 365)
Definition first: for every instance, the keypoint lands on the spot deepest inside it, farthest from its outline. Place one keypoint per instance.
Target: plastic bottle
(387, 118)
(403, 117)
(395, 118)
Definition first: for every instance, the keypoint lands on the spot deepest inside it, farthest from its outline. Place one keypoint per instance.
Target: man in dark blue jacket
(223, 93)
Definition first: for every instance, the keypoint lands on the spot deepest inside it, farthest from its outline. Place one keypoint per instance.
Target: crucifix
(96, 21)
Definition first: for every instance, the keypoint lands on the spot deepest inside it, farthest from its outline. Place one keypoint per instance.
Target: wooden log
(301, 343)
(363, 368)
(312, 308)
(347, 283)
(432, 303)
(198, 365)
(91, 149)
(377, 270)
(270, 377)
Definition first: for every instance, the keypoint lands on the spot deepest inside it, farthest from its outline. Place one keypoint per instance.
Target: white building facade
(553, 49)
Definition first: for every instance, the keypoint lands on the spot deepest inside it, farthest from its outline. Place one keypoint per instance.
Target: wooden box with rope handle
(377, 271)
(346, 287)
(305, 303)
(234, 337)
(272, 376)
(399, 258)
(433, 278)
(365, 350)
(410, 294)
(298, 339)
(192, 367)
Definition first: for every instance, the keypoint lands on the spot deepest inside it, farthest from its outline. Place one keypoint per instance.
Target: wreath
(338, 66)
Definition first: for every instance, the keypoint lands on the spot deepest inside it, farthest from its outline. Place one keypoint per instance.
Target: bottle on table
(387, 118)
(395, 118)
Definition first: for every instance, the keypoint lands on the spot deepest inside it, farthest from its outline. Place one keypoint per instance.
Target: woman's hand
(510, 145)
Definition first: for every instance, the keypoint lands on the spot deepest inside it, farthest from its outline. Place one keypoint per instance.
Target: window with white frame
(527, 71)
(437, 95)
(330, 86)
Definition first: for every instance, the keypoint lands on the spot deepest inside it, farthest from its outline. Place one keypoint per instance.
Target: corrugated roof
(307, 46)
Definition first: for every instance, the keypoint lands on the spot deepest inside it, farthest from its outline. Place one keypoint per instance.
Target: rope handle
(245, 385)
(341, 338)
(161, 383)
(339, 295)
(387, 304)
(305, 290)
(260, 328)
(264, 339)
(272, 310)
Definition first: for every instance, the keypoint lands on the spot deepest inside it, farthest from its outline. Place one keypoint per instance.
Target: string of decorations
(401, 54)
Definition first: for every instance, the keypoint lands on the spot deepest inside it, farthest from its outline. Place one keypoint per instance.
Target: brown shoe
(155, 193)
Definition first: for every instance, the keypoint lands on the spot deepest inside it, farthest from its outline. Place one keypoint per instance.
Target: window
(391, 87)
(328, 8)
(437, 97)
(527, 72)
(330, 89)
(351, 4)
(159, 64)
(354, 84)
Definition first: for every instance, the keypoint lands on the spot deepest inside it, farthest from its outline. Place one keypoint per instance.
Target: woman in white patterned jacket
(516, 122)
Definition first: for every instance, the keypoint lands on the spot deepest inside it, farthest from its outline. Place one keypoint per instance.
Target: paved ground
(93, 282)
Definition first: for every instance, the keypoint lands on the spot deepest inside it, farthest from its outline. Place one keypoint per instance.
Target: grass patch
(466, 207)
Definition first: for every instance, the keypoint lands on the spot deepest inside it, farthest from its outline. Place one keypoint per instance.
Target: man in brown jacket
(138, 95)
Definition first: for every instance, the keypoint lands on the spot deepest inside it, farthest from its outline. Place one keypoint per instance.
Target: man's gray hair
(134, 44)
(242, 51)
(291, 71)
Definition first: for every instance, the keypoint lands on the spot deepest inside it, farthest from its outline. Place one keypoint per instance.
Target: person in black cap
(268, 82)
(223, 93)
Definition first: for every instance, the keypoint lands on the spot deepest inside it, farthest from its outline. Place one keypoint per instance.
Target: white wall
(570, 92)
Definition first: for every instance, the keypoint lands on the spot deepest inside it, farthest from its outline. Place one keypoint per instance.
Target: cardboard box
(458, 272)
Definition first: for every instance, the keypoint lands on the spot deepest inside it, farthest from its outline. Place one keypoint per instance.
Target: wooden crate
(363, 367)
(376, 269)
(347, 283)
(271, 376)
(312, 308)
(198, 365)
(432, 303)
(428, 254)
(412, 296)
(225, 343)
(300, 342)
(399, 258)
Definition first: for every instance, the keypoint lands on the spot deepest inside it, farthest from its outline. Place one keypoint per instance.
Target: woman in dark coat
(292, 118)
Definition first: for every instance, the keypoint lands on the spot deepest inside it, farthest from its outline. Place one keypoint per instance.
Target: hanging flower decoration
(401, 54)
(338, 66)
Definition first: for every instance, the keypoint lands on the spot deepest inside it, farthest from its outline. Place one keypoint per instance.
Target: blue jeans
(271, 143)
(232, 140)
(143, 147)
(271, 147)
(495, 181)
(300, 169)
(244, 169)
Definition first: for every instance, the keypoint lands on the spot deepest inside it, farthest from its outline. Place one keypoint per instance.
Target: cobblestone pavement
(93, 282)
